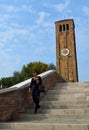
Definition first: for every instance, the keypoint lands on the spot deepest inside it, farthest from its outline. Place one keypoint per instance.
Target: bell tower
(66, 59)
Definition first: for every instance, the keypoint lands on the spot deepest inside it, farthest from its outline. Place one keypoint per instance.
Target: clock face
(65, 52)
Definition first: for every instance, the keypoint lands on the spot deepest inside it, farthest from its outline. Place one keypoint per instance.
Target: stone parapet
(15, 98)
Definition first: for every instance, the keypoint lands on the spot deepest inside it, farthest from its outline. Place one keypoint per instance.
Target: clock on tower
(66, 59)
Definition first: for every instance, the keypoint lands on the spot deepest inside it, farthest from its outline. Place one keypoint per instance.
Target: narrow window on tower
(63, 27)
(60, 28)
(67, 26)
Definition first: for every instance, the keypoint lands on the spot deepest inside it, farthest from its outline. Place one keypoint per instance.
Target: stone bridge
(15, 98)
(64, 106)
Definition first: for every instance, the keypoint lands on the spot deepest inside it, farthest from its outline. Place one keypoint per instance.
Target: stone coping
(25, 83)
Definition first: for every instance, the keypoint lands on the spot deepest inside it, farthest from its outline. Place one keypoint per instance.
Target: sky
(27, 33)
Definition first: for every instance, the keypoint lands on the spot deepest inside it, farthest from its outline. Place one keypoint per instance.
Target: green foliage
(26, 73)
(6, 81)
(52, 66)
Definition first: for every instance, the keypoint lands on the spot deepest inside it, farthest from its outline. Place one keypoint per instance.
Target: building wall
(66, 59)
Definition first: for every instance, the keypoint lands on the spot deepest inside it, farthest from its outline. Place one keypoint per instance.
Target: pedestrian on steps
(36, 81)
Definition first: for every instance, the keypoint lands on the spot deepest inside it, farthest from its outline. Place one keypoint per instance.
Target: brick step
(58, 105)
(64, 121)
(73, 85)
(70, 89)
(52, 125)
(68, 95)
(65, 98)
(64, 106)
(5, 126)
(59, 111)
(65, 102)
(40, 117)
(61, 91)
(6, 129)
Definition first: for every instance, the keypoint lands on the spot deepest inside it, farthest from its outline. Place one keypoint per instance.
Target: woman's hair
(35, 71)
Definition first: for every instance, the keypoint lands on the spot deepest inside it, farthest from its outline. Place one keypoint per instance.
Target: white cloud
(43, 21)
(4, 18)
(28, 8)
(9, 8)
(15, 1)
(62, 6)
(42, 17)
(86, 10)
(16, 9)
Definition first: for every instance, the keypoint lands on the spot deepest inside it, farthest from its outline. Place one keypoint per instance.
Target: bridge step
(75, 91)
(6, 126)
(66, 98)
(65, 107)
(49, 125)
(61, 111)
(76, 102)
(7, 129)
(58, 105)
(73, 85)
(31, 117)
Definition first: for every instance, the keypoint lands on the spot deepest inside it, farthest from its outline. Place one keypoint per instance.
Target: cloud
(4, 17)
(28, 8)
(86, 10)
(15, 9)
(11, 8)
(8, 8)
(42, 17)
(15, 1)
(62, 6)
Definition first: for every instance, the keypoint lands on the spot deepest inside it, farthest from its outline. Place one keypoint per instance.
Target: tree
(26, 73)
(17, 77)
(52, 66)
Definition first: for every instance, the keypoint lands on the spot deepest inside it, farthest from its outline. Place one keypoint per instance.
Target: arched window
(60, 28)
(63, 27)
(67, 26)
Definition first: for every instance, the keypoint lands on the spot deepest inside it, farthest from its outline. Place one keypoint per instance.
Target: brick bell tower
(66, 59)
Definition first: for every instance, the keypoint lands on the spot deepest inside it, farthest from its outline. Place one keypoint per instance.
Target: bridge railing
(15, 98)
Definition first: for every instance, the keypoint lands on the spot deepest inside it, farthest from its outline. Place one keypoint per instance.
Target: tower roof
(64, 20)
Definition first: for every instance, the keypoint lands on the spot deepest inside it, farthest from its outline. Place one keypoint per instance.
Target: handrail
(25, 83)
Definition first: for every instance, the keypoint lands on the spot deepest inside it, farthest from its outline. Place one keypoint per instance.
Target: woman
(36, 81)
